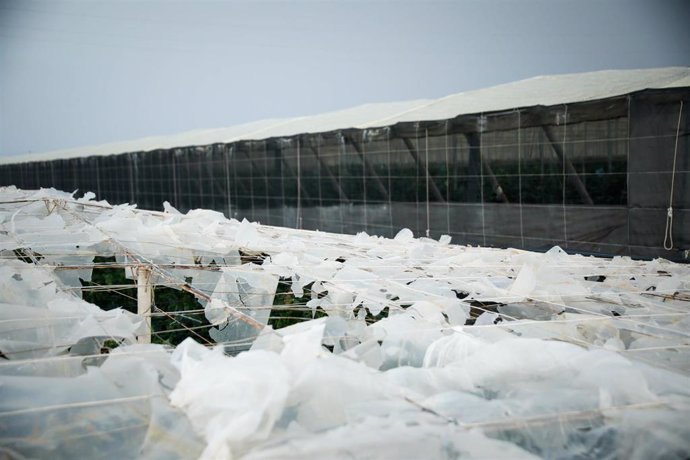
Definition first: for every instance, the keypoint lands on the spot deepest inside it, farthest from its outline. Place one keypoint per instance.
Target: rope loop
(668, 232)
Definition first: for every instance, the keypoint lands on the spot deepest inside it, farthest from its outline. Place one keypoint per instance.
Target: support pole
(302, 189)
(236, 179)
(144, 300)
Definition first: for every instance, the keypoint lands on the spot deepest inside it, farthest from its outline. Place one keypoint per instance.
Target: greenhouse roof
(400, 348)
(544, 90)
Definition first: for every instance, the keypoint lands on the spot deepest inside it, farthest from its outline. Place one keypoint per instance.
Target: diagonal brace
(573, 176)
(432, 185)
(370, 169)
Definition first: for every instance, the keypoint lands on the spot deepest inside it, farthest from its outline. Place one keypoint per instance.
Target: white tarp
(426, 350)
(547, 90)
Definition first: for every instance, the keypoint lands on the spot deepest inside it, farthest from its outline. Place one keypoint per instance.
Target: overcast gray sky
(76, 73)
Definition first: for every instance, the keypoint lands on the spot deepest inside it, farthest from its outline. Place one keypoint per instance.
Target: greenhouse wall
(592, 177)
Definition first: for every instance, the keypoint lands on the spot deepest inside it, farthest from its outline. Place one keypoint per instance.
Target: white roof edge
(541, 90)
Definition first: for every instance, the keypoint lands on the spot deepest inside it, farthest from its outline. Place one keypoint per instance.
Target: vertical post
(474, 168)
(144, 300)
(98, 178)
(426, 167)
(267, 193)
(130, 165)
(364, 183)
(228, 195)
(298, 224)
(176, 202)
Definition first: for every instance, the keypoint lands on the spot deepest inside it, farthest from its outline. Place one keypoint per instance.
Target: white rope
(176, 201)
(565, 220)
(668, 232)
(627, 179)
(426, 167)
(445, 138)
(98, 182)
(298, 223)
(266, 186)
(390, 188)
(481, 175)
(519, 135)
(228, 195)
(130, 167)
(342, 149)
(364, 181)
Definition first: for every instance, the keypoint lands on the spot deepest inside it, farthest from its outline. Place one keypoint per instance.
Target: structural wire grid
(659, 315)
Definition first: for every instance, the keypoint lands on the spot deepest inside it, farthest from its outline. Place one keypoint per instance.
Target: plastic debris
(414, 348)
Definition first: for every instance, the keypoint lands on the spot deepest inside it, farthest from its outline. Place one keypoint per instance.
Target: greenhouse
(591, 162)
(396, 348)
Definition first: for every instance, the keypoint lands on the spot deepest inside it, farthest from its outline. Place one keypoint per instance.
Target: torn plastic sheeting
(247, 235)
(117, 410)
(231, 402)
(368, 353)
(414, 436)
(405, 337)
(73, 277)
(38, 319)
(248, 291)
(32, 332)
(570, 376)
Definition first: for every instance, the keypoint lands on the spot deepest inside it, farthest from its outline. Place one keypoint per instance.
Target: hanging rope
(298, 223)
(226, 156)
(668, 232)
(426, 165)
(482, 122)
(519, 146)
(564, 177)
(447, 180)
(390, 188)
(363, 143)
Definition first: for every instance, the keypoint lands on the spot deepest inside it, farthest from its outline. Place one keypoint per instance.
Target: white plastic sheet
(427, 350)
